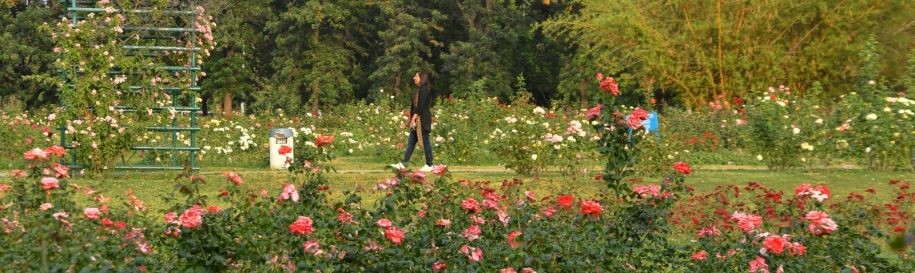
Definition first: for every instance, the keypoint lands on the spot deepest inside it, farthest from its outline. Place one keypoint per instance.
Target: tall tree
(236, 69)
(25, 52)
(316, 50)
(704, 50)
(481, 55)
(407, 40)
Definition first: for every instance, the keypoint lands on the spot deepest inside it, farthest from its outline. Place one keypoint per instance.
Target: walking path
(483, 169)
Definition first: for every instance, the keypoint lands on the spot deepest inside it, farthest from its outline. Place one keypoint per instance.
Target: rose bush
(427, 222)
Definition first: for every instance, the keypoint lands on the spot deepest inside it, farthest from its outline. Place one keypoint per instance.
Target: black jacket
(421, 104)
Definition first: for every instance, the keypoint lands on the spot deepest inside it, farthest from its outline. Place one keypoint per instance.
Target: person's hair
(423, 78)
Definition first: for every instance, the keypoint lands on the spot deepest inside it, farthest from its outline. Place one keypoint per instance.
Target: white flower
(534, 157)
(759, 157)
(867, 150)
(887, 109)
(842, 144)
(539, 110)
(871, 116)
(796, 130)
(806, 146)
(871, 82)
(781, 103)
(819, 121)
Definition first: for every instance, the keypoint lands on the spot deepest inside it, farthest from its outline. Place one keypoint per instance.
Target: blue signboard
(651, 124)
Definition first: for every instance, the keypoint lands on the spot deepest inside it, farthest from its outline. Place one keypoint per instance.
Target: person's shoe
(398, 165)
(426, 168)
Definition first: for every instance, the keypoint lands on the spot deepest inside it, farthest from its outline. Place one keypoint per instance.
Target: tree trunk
(227, 97)
(397, 84)
(315, 92)
(582, 87)
(315, 86)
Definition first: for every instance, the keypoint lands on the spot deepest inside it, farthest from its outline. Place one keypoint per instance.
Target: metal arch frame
(74, 9)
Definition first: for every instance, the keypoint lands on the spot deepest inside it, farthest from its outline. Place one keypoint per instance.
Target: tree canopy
(305, 55)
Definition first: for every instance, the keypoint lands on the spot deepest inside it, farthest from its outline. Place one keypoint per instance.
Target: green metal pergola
(180, 156)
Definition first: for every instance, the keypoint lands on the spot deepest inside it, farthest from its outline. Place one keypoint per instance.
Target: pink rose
(91, 213)
(48, 183)
(311, 246)
(192, 217)
(443, 222)
(472, 233)
(289, 192)
(473, 254)
(35, 154)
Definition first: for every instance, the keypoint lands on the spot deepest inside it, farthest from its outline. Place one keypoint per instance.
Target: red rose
(438, 266)
(56, 150)
(302, 225)
(472, 233)
(775, 244)
(594, 112)
(591, 208)
(565, 201)
(470, 205)
(394, 234)
(192, 217)
(511, 239)
(682, 168)
(700, 256)
(610, 85)
(323, 140)
(634, 122)
(233, 177)
(285, 149)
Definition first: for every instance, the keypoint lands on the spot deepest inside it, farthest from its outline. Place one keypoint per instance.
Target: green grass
(151, 186)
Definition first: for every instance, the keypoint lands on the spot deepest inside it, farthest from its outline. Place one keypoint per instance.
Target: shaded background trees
(305, 55)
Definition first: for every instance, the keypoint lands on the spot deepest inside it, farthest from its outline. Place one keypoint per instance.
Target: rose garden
(124, 172)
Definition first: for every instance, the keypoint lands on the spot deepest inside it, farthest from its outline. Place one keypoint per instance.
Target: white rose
(534, 157)
(871, 116)
(806, 146)
(796, 130)
(759, 157)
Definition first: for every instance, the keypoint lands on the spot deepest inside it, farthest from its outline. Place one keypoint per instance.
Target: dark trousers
(411, 144)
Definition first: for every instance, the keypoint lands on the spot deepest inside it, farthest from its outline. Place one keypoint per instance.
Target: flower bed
(428, 222)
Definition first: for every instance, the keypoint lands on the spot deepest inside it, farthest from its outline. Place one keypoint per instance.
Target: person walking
(420, 120)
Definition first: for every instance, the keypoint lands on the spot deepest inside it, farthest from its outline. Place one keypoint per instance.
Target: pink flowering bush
(44, 229)
(757, 229)
(426, 222)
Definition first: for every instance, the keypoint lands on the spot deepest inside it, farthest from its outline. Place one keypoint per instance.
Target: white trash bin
(280, 137)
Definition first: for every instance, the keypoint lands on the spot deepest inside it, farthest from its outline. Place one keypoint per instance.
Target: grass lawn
(150, 186)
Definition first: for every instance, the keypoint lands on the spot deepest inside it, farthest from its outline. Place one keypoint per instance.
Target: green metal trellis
(76, 9)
